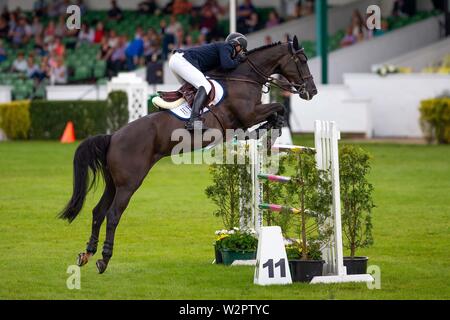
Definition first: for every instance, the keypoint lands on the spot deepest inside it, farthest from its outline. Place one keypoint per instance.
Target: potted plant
(220, 235)
(356, 205)
(238, 245)
(309, 191)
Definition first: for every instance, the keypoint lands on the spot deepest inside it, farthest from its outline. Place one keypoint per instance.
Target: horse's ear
(295, 43)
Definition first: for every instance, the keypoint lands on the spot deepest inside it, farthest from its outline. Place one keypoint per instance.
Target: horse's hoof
(101, 266)
(83, 258)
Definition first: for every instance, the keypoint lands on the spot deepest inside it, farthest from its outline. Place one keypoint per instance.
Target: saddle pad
(184, 110)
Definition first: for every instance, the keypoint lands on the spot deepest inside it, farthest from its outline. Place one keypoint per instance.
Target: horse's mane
(264, 47)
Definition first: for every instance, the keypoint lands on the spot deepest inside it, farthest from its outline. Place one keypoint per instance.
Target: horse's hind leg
(98, 216)
(118, 206)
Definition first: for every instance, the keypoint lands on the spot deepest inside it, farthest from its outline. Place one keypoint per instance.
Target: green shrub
(48, 118)
(116, 110)
(15, 119)
(231, 184)
(435, 120)
(356, 197)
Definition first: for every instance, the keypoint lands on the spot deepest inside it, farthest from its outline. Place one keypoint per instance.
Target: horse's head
(294, 67)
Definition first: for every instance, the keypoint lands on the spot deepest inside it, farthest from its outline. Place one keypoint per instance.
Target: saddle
(172, 99)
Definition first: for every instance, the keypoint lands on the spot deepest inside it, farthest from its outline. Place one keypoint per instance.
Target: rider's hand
(241, 57)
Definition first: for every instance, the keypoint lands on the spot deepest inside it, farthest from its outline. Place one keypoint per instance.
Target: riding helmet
(236, 38)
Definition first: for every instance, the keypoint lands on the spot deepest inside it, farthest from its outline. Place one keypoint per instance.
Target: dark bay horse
(125, 157)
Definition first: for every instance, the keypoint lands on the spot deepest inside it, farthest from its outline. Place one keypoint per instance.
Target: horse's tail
(91, 153)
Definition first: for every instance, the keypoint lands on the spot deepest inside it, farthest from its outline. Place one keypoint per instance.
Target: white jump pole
(232, 16)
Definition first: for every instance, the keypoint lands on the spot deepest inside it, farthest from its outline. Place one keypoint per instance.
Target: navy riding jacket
(211, 56)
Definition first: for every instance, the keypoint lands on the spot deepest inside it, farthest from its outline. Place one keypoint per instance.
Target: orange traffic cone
(69, 133)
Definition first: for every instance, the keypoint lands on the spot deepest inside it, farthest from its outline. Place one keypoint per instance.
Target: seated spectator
(201, 40)
(115, 13)
(273, 20)
(19, 64)
(82, 6)
(349, 38)
(39, 46)
(208, 21)
(358, 26)
(134, 50)
(179, 39)
(58, 47)
(53, 8)
(268, 39)
(194, 19)
(152, 46)
(99, 32)
(105, 49)
(153, 37)
(113, 38)
(61, 29)
(3, 55)
(290, 9)
(49, 31)
(148, 7)
(40, 8)
(244, 13)
(58, 73)
(252, 24)
(117, 58)
(36, 27)
(215, 7)
(169, 33)
(188, 42)
(307, 8)
(4, 28)
(12, 20)
(18, 33)
(181, 7)
(168, 8)
(403, 8)
(32, 68)
(86, 34)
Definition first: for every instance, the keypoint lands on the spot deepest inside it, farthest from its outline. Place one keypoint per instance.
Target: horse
(125, 157)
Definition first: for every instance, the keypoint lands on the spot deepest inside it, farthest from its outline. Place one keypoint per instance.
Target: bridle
(285, 85)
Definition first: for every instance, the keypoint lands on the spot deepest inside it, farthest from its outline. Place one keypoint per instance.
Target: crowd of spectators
(46, 31)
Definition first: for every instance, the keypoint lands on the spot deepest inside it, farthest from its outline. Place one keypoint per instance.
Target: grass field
(164, 242)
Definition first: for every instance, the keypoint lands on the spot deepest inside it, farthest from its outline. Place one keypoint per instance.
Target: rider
(190, 64)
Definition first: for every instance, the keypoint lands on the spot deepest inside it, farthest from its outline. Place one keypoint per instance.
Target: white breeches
(184, 71)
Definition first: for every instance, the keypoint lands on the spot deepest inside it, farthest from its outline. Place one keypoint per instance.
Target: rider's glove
(241, 57)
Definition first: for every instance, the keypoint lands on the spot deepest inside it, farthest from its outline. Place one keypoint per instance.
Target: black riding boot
(195, 122)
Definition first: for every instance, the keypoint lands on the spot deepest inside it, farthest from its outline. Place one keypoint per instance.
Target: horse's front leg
(261, 112)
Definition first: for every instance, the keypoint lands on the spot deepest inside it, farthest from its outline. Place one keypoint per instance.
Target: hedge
(15, 119)
(41, 119)
(48, 118)
(435, 120)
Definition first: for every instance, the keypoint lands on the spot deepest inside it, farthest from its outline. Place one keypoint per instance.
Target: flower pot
(228, 256)
(305, 270)
(218, 255)
(356, 265)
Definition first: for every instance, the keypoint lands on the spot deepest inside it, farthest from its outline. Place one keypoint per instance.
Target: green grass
(164, 241)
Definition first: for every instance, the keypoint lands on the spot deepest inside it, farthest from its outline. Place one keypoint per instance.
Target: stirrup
(196, 125)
